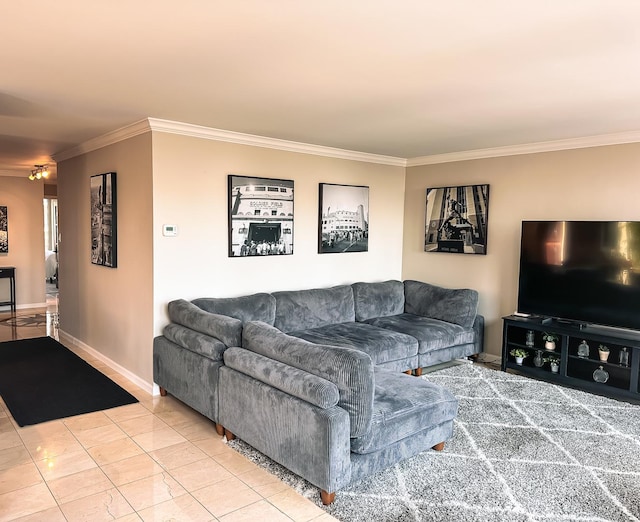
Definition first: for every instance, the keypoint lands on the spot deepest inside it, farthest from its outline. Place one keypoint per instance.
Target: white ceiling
(393, 77)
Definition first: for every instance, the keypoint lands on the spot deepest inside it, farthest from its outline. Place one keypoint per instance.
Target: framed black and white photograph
(260, 216)
(456, 219)
(104, 220)
(344, 219)
(4, 231)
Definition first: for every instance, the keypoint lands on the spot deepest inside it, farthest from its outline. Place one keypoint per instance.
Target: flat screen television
(587, 272)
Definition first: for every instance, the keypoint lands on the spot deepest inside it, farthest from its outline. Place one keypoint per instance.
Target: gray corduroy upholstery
(350, 370)
(313, 438)
(255, 307)
(304, 385)
(378, 299)
(223, 327)
(458, 306)
(171, 363)
(197, 342)
(327, 401)
(305, 309)
(402, 407)
(387, 348)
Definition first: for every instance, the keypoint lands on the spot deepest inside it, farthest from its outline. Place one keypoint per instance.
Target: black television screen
(583, 271)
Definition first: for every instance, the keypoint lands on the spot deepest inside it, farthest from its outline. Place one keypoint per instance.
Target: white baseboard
(151, 388)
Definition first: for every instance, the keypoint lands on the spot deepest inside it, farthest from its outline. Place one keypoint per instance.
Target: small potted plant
(603, 352)
(519, 354)
(549, 341)
(554, 363)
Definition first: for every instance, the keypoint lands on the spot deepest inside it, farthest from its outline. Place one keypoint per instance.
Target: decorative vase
(555, 367)
(583, 349)
(603, 355)
(519, 361)
(623, 358)
(550, 346)
(601, 375)
(538, 361)
(530, 339)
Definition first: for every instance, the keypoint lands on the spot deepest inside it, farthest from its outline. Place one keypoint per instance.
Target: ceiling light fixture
(40, 171)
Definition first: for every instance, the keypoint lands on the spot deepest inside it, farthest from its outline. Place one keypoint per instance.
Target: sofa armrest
(453, 305)
(306, 386)
(197, 342)
(226, 329)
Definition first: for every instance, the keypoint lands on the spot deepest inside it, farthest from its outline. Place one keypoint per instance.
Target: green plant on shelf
(519, 352)
(550, 337)
(603, 348)
(552, 359)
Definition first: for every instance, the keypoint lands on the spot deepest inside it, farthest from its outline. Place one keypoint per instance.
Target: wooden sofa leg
(327, 498)
(219, 429)
(228, 434)
(439, 446)
(408, 372)
(163, 392)
(418, 372)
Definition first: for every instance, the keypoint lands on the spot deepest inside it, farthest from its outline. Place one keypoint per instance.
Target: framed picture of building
(260, 216)
(104, 220)
(456, 219)
(343, 223)
(4, 231)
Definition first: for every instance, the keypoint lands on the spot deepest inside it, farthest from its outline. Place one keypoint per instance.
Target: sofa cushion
(432, 334)
(458, 306)
(304, 385)
(403, 406)
(382, 345)
(197, 342)
(378, 299)
(350, 370)
(226, 329)
(256, 307)
(306, 309)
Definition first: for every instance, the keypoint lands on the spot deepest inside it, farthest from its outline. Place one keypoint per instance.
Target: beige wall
(190, 191)
(109, 309)
(23, 199)
(592, 184)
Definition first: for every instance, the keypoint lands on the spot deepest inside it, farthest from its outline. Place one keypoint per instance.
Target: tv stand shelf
(577, 351)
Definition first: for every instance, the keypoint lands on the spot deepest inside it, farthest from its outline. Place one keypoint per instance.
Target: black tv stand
(579, 367)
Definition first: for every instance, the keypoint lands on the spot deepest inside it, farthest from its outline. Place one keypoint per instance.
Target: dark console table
(9, 272)
(578, 356)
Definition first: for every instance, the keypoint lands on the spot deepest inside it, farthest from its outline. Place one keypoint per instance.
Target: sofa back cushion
(256, 307)
(373, 300)
(306, 309)
(226, 329)
(350, 370)
(458, 306)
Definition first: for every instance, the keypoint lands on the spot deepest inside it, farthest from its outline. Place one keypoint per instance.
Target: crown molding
(529, 148)
(198, 131)
(124, 133)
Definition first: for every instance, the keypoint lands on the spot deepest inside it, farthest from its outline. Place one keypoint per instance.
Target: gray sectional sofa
(327, 413)
(313, 378)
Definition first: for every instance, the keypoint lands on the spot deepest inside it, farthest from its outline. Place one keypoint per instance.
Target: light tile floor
(154, 460)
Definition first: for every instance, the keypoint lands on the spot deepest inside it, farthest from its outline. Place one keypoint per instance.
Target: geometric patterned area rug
(522, 450)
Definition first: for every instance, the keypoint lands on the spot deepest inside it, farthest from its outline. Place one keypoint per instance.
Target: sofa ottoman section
(403, 406)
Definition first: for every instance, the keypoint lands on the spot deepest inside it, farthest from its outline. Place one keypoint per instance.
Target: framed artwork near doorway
(4, 230)
(260, 216)
(104, 221)
(456, 219)
(343, 222)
